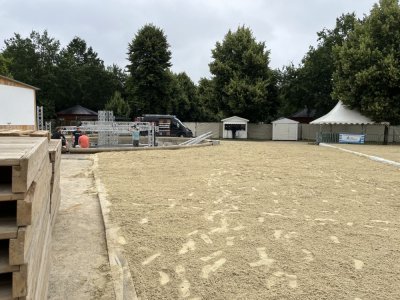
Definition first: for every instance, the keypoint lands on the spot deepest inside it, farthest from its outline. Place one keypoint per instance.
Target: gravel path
(80, 267)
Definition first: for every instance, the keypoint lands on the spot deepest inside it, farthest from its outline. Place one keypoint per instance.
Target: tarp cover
(341, 114)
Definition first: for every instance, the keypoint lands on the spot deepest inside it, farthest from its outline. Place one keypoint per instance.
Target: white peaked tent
(341, 114)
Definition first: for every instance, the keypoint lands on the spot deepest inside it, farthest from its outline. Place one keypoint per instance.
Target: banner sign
(348, 138)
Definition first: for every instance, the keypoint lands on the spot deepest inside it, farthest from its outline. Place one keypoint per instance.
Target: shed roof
(284, 121)
(78, 110)
(342, 114)
(18, 83)
(235, 120)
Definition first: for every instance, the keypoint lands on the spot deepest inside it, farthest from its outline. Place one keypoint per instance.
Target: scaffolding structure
(108, 130)
(39, 117)
(106, 137)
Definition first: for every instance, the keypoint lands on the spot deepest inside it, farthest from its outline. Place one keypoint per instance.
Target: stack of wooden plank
(29, 200)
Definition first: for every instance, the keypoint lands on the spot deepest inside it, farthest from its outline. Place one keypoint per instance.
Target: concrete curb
(122, 279)
(371, 157)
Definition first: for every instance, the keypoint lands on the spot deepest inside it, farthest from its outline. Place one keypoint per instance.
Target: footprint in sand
(350, 223)
(358, 264)
(192, 233)
(309, 256)
(229, 240)
(206, 270)
(150, 259)
(222, 229)
(278, 234)
(261, 219)
(264, 260)
(144, 221)
(237, 228)
(164, 278)
(184, 286)
(206, 238)
(334, 239)
(211, 256)
(290, 235)
(121, 240)
(280, 276)
(190, 245)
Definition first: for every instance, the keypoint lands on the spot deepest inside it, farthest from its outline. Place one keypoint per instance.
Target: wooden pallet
(22, 157)
(29, 200)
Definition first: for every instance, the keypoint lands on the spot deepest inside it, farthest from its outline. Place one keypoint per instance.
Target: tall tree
(150, 82)
(206, 93)
(82, 77)
(185, 102)
(310, 85)
(367, 73)
(244, 84)
(119, 106)
(33, 61)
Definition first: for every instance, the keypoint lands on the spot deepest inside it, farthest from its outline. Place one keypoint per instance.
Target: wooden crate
(22, 157)
(27, 214)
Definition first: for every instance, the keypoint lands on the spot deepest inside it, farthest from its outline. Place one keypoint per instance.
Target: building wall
(259, 131)
(17, 106)
(307, 132)
(198, 128)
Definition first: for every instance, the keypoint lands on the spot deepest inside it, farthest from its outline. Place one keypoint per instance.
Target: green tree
(185, 102)
(310, 85)
(4, 65)
(206, 93)
(150, 82)
(367, 73)
(118, 105)
(33, 61)
(83, 79)
(244, 84)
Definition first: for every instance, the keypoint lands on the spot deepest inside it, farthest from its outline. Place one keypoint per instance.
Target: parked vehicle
(168, 125)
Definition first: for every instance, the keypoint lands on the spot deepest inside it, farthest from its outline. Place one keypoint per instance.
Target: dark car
(168, 125)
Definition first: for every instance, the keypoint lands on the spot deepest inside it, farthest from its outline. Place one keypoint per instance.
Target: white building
(17, 104)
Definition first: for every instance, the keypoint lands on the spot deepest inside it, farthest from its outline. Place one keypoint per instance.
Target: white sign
(348, 138)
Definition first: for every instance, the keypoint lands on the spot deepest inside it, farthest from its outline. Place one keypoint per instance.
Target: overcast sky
(288, 27)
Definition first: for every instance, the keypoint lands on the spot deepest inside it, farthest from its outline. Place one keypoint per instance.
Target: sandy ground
(257, 220)
(80, 268)
(391, 152)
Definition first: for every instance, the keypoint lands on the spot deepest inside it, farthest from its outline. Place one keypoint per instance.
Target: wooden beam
(19, 282)
(8, 228)
(24, 174)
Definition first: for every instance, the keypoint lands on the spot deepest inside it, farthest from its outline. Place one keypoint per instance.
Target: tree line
(357, 62)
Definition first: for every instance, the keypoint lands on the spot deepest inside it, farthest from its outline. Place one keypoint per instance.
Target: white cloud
(193, 27)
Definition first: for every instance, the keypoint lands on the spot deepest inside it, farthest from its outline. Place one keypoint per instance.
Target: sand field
(256, 220)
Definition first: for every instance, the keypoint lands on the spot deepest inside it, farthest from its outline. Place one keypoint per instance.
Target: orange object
(83, 141)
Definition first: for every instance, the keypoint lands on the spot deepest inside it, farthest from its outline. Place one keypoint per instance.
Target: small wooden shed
(17, 105)
(235, 128)
(285, 129)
